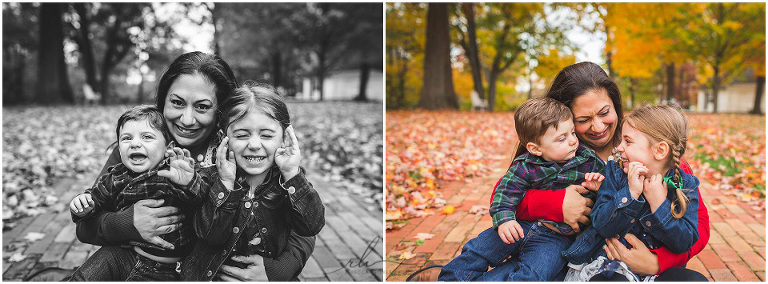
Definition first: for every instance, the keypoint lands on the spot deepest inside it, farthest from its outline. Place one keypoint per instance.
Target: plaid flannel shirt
(530, 171)
(120, 188)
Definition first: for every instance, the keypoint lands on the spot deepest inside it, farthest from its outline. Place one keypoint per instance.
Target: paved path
(735, 252)
(349, 248)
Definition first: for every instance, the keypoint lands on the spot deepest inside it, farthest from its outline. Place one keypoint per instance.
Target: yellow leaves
(406, 255)
(449, 209)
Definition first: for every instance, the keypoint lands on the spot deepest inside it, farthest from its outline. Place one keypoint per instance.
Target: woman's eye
(582, 121)
(202, 107)
(177, 102)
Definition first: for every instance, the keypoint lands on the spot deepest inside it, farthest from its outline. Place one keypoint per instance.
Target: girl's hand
(225, 164)
(593, 181)
(638, 258)
(288, 157)
(81, 205)
(635, 176)
(655, 191)
(182, 166)
(255, 271)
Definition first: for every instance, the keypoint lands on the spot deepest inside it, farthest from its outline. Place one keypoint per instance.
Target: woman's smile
(600, 135)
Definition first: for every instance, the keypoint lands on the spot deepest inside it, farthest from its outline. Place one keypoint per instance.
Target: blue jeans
(535, 257)
(114, 263)
(587, 246)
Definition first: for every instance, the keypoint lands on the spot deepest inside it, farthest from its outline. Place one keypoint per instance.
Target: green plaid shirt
(530, 171)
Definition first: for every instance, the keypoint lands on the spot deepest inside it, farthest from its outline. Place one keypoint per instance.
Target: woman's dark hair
(149, 112)
(253, 96)
(210, 66)
(575, 80)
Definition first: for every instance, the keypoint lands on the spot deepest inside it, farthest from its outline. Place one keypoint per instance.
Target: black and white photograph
(193, 142)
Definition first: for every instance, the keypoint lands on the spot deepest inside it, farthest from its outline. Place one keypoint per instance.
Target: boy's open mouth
(137, 157)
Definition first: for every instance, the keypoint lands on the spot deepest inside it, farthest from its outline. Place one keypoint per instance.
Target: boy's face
(557, 145)
(141, 146)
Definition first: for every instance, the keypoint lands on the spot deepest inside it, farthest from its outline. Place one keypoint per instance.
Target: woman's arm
(285, 267)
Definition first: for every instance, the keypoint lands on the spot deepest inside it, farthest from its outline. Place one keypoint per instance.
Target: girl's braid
(681, 202)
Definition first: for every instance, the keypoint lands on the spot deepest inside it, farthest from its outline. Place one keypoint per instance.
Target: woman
(189, 93)
(595, 102)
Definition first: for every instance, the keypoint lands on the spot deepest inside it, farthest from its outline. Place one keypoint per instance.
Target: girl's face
(254, 140)
(190, 109)
(595, 118)
(636, 147)
(141, 146)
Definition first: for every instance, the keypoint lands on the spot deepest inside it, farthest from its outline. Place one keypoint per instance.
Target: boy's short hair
(536, 115)
(149, 112)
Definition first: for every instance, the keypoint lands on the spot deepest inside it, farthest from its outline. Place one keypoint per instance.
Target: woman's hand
(576, 208)
(655, 191)
(153, 220)
(641, 260)
(225, 164)
(182, 166)
(255, 271)
(288, 156)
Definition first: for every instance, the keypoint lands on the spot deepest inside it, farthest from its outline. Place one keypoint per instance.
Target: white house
(345, 85)
(735, 97)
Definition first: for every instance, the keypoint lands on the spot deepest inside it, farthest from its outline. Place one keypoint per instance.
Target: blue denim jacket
(277, 209)
(616, 213)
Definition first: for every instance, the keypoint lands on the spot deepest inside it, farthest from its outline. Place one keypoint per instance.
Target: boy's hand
(593, 181)
(655, 191)
(635, 177)
(81, 205)
(225, 164)
(288, 156)
(510, 232)
(182, 166)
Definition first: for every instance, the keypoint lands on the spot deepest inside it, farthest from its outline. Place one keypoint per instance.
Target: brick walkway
(736, 249)
(341, 250)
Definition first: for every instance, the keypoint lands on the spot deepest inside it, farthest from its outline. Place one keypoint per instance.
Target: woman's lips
(185, 132)
(598, 136)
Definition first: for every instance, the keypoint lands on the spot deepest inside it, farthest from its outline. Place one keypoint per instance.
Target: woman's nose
(597, 125)
(187, 119)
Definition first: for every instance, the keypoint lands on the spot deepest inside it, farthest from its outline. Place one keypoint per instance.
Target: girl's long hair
(668, 124)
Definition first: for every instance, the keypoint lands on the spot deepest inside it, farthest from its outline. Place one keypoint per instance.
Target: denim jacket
(617, 213)
(277, 209)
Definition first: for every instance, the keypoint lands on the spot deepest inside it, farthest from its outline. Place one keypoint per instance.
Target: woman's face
(190, 108)
(595, 119)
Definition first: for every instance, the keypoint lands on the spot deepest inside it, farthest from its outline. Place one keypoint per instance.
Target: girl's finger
(294, 140)
(221, 150)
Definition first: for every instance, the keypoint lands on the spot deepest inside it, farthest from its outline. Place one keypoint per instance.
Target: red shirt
(548, 204)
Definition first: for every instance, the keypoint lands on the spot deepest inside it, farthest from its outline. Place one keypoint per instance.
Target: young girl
(648, 196)
(260, 193)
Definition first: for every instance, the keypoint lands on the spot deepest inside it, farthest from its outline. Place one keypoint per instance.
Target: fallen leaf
(400, 246)
(34, 236)
(423, 236)
(406, 255)
(449, 209)
(16, 257)
(478, 210)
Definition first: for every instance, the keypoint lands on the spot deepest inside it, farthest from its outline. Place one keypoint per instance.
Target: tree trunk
(365, 71)
(400, 99)
(472, 52)
(277, 64)
(715, 88)
(492, 89)
(140, 92)
(609, 56)
(437, 91)
(84, 44)
(670, 81)
(321, 72)
(758, 95)
(214, 21)
(530, 86)
(53, 82)
(631, 92)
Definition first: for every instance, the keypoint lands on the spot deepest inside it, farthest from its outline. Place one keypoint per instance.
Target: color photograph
(575, 142)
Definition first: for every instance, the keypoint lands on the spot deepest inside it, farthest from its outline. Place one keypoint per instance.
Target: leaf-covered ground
(41, 145)
(425, 148)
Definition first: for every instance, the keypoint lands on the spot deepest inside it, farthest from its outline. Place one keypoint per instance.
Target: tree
(437, 91)
(20, 43)
(405, 49)
(53, 85)
(468, 41)
(721, 36)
